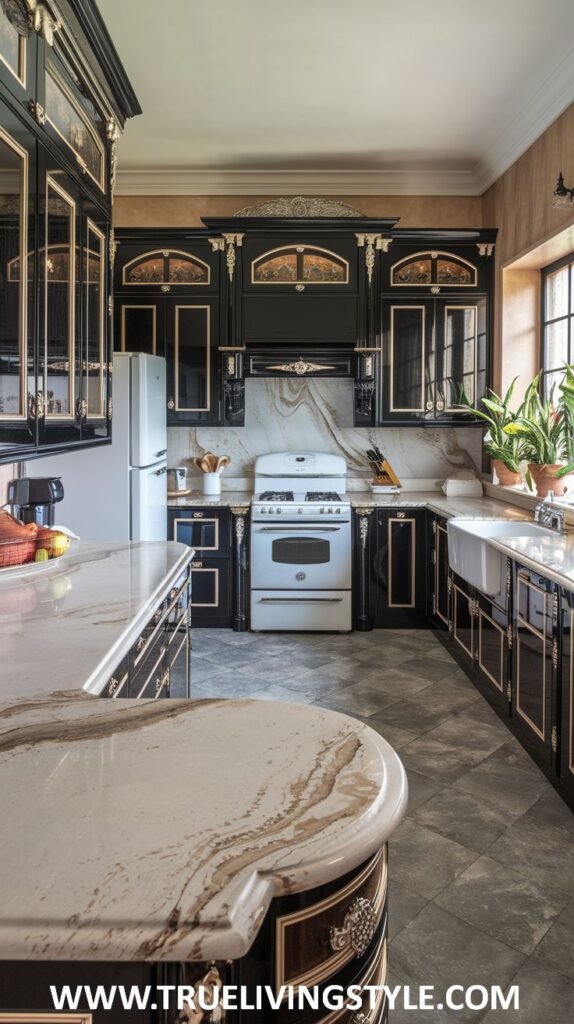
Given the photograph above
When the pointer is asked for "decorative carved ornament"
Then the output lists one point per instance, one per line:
(232, 241)
(359, 926)
(300, 206)
(300, 367)
(31, 15)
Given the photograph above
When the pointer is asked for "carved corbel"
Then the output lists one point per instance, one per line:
(232, 242)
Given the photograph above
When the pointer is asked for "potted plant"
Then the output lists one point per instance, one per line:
(505, 450)
(546, 431)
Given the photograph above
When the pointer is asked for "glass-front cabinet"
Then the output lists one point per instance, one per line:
(435, 331)
(435, 356)
(17, 272)
(61, 110)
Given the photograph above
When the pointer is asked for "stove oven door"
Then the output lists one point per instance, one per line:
(301, 556)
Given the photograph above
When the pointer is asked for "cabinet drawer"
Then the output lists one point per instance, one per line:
(210, 593)
(148, 665)
(491, 647)
(313, 944)
(533, 602)
(206, 530)
(157, 684)
(375, 974)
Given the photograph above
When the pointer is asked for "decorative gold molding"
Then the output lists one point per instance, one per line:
(485, 248)
(232, 240)
(113, 133)
(299, 206)
(300, 367)
(217, 244)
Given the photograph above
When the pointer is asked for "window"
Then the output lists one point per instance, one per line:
(557, 320)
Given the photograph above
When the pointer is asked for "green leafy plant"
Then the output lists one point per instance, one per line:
(497, 413)
(545, 429)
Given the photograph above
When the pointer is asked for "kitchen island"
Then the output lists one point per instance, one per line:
(145, 840)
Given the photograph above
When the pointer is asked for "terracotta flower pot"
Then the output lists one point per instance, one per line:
(545, 479)
(506, 477)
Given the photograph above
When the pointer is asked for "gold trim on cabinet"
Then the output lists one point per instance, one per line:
(298, 280)
(91, 227)
(541, 636)
(483, 615)
(413, 408)
(101, 183)
(457, 590)
(328, 967)
(19, 75)
(56, 187)
(412, 521)
(153, 307)
(199, 408)
(375, 975)
(215, 603)
(434, 256)
(440, 529)
(187, 521)
(166, 254)
(23, 284)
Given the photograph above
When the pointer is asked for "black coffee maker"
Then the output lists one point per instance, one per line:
(33, 498)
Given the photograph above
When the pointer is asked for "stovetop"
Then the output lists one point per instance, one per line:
(289, 496)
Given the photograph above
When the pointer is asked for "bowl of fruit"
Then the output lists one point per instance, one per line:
(28, 547)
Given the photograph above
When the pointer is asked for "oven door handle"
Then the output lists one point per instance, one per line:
(297, 528)
(300, 600)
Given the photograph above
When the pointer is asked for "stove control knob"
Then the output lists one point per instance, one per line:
(330, 510)
(271, 510)
(300, 511)
(263, 511)
(322, 511)
(338, 511)
(279, 511)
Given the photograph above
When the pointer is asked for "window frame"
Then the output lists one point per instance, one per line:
(545, 321)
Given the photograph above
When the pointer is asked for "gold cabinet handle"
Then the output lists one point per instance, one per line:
(170, 404)
(429, 406)
(440, 405)
(358, 927)
(141, 643)
(113, 685)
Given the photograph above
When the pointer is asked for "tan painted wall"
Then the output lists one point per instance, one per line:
(187, 211)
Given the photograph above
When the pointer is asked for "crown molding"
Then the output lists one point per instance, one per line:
(507, 145)
(176, 182)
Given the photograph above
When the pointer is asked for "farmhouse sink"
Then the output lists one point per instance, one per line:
(474, 559)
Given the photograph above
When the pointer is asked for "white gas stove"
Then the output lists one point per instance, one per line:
(300, 543)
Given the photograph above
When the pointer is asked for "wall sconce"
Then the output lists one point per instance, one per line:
(562, 196)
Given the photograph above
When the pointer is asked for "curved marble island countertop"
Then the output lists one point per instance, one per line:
(64, 630)
(162, 831)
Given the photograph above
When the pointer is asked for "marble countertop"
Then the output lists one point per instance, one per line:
(64, 630)
(140, 830)
(197, 499)
(552, 556)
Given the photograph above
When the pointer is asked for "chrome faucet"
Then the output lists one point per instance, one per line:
(548, 515)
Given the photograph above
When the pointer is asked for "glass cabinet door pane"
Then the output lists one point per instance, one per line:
(192, 358)
(459, 355)
(94, 320)
(138, 328)
(58, 276)
(12, 48)
(13, 268)
(407, 358)
(72, 125)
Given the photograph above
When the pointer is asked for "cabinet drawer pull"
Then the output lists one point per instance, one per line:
(358, 927)
(158, 615)
(429, 406)
(113, 685)
(172, 593)
(198, 515)
(171, 404)
(141, 643)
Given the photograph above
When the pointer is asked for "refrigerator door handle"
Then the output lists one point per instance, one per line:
(160, 472)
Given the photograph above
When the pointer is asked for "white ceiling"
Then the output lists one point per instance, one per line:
(337, 95)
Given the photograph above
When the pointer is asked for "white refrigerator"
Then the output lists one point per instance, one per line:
(119, 491)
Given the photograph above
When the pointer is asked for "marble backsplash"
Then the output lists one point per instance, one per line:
(317, 415)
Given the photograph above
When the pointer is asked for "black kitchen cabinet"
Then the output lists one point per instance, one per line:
(463, 617)
(208, 531)
(565, 735)
(64, 99)
(535, 663)
(493, 638)
(441, 582)
(398, 578)
(167, 303)
(434, 352)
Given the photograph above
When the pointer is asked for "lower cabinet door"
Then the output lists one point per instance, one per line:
(441, 574)
(210, 593)
(399, 577)
(463, 617)
(566, 737)
(492, 653)
(532, 705)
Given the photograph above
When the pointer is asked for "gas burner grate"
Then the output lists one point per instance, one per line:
(276, 496)
(322, 496)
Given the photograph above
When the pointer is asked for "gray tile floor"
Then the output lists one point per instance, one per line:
(482, 869)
